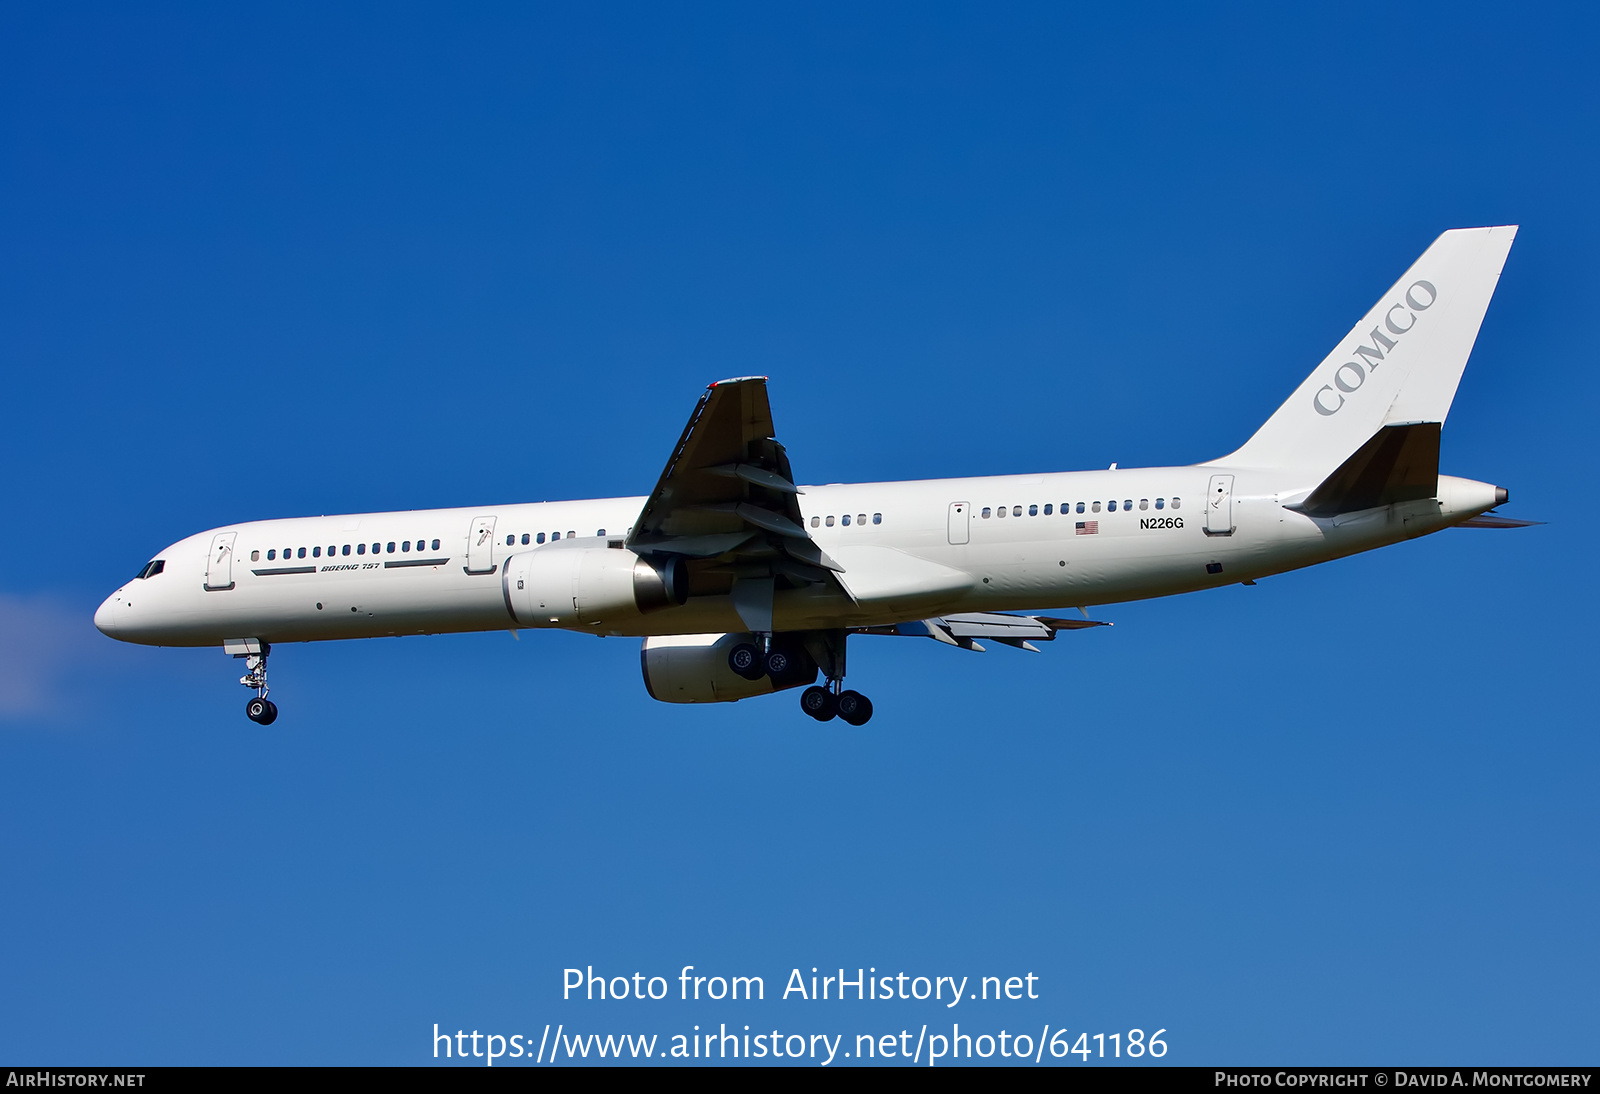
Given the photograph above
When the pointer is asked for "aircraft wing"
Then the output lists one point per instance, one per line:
(726, 503)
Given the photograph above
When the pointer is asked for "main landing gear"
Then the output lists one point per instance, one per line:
(823, 703)
(786, 658)
(260, 709)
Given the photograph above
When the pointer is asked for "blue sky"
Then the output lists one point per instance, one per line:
(290, 261)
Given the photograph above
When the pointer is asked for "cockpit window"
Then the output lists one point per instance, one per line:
(151, 569)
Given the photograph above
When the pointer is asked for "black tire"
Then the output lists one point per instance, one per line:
(855, 708)
(818, 702)
(260, 711)
(779, 662)
(272, 713)
(745, 660)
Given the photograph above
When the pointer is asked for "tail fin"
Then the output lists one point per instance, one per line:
(1400, 364)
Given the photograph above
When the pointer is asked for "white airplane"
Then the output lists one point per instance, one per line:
(741, 583)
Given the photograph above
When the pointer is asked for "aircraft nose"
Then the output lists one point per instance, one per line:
(103, 620)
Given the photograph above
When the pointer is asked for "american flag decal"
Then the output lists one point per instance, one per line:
(1088, 528)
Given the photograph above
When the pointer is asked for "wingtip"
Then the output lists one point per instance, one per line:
(736, 380)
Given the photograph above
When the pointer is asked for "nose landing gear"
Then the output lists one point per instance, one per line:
(260, 709)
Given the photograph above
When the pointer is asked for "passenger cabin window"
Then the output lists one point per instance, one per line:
(391, 546)
(1080, 507)
(1033, 510)
(302, 552)
(540, 537)
(845, 520)
(1144, 503)
(985, 512)
(361, 548)
(1000, 511)
(1094, 508)
(346, 550)
(255, 556)
(511, 539)
(377, 548)
(1127, 505)
(405, 547)
(435, 546)
(861, 518)
(1161, 503)
(816, 522)
(597, 531)
(316, 552)
(1177, 503)
(1047, 510)
(830, 522)
(1111, 506)
(272, 554)
(877, 518)
(554, 536)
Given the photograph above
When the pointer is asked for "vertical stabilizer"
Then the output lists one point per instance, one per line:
(1400, 364)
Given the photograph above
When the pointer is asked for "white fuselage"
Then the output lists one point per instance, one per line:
(383, 574)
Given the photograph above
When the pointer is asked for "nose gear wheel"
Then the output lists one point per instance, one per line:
(261, 711)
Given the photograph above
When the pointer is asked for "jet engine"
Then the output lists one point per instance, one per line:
(693, 668)
(590, 583)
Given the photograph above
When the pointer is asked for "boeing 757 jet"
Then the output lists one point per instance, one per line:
(741, 582)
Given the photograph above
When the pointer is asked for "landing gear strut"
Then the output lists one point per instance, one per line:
(260, 709)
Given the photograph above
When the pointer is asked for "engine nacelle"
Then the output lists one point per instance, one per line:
(693, 668)
(589, 583)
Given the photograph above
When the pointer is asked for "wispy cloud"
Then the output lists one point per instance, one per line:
(42, 638)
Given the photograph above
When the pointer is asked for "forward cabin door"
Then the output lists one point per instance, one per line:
(960, 522)
(1219, 506)
(219, 564)
(480, 546)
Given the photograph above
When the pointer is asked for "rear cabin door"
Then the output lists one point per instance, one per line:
(960, 522)
(219, 564)
(480, 546)
(1219, 506)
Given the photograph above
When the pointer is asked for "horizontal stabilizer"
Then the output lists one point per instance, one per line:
(1399, 463)
(1490, 520)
